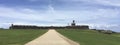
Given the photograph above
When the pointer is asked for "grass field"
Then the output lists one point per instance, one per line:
(18, 37)
(90, 37)
(117, 35)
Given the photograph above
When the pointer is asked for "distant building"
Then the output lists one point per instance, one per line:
(73, 23)
(73, 26)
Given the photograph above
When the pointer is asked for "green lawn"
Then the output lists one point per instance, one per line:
(117, 35)
(90, 37)
(19, 37)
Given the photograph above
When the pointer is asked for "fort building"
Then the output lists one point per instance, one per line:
(72, 26)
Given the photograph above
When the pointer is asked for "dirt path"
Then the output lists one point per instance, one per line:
(52, 38)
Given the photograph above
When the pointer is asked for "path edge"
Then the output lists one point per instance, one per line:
(67, 39)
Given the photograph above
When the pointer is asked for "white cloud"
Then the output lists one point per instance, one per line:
(25, 14)
(51, 15)
(26, 10)
(103, 2)
(51, 9)
(113, 27)
(109, 2)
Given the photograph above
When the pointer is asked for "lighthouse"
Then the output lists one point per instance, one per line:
(73, 23)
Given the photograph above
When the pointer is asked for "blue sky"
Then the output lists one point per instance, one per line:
(101, 14)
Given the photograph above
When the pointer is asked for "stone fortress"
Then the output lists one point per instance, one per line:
(72, 26)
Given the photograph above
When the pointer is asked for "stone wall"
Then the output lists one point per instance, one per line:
(47, 27)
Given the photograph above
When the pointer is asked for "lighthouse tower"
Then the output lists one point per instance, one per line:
(73, 23)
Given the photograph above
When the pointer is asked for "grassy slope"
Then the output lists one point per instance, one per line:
(90, 37)
(18, 37)
(117, 35)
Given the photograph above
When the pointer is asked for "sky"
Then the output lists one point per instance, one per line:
(100, 14)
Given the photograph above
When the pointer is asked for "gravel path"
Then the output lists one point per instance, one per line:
(52, 37)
